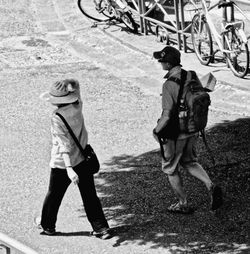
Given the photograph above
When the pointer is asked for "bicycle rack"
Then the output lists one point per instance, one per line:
(167, 15)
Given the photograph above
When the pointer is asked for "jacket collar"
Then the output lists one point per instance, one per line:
(173, 72)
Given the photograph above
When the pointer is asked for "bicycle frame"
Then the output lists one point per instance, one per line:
(121, 5)
(225, 24)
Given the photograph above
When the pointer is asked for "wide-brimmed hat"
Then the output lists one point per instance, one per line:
(168, 54)
(61, 92)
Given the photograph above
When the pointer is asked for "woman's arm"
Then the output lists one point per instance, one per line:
(59, 133)
(71, 173)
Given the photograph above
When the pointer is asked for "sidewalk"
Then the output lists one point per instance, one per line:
(232, 94)
(50, 40)
(148, 43)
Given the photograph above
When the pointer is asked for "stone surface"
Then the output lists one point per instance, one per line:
(43, 41)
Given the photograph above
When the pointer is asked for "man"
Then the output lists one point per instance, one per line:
(180, 152)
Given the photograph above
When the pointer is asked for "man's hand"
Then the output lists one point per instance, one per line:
(72, 175)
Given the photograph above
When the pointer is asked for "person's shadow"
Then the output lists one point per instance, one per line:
(135, 194)
(78, 233)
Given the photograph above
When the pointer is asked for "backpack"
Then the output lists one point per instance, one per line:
(193, 105)
(190, 113)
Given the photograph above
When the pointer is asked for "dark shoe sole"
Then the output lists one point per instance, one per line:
(217, 199)
(48, 232)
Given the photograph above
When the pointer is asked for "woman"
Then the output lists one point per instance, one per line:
(67, 163)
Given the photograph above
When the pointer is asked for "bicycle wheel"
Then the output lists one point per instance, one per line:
(89, 9)
(129, 22)
(202, 39)
(238, 57)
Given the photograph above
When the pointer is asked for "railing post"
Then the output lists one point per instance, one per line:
(176, 3)
(7, 249)
(145, 22)
(142, 20)
(184, 41)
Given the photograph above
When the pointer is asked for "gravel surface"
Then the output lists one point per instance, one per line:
(120, 116)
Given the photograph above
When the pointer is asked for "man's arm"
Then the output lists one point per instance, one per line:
(162, 122)
(167, 105)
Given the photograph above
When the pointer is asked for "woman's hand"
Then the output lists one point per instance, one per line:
(72, 175)
(72, 84)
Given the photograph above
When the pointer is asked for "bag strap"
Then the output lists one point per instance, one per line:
(71, 132)
(203, 135)
(181, 83)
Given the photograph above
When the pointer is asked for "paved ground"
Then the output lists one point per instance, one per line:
(42, 41)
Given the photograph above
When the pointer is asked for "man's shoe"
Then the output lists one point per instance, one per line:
(103, 234)
(216, 197)
(180, 208)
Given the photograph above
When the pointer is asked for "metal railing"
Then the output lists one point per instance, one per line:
(7, 245)
(173, 14)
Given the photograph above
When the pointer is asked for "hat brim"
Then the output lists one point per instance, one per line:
(157, 55)
(70, 98)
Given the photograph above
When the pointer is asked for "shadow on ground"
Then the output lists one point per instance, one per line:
(135, 194)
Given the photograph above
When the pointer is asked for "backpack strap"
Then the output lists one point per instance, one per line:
(183, 80)
(193, 77)
(176, 80)
(181, 83)
(203, 135)
(193, 74)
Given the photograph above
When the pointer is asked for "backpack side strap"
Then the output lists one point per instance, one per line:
(193, 74)
(203, 135)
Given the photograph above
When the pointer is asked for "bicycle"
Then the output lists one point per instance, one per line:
(232, 41)
(107, 10)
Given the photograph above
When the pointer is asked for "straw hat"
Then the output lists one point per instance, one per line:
(62, 92)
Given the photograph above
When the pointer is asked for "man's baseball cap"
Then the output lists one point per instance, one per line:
(168, 54)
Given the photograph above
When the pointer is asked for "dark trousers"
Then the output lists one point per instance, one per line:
(59, 182)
